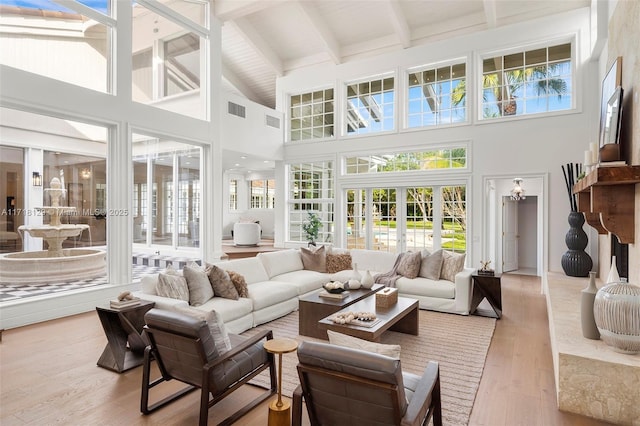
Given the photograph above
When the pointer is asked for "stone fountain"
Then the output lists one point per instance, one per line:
(55, 263)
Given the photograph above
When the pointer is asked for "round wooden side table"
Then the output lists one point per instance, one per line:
(279, 410)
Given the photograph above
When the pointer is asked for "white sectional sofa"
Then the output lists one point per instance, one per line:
(276, 280)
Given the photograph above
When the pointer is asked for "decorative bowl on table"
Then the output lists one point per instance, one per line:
(334, 287)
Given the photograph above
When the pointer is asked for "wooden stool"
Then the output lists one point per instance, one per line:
(279, 410)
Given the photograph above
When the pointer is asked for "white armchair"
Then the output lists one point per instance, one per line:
(246, 234)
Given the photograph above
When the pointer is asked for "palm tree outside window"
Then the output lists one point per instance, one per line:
(529, 82)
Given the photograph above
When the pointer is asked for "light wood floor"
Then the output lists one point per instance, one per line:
(48, 375)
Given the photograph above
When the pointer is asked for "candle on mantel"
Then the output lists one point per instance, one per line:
(587, 158)
(594, 153)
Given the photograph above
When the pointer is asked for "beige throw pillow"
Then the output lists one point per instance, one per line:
(239, 283)
(221, 283)
(451, 265)
(314, 259)
(431, 264)
(340, 339)
(173, 286)
(200, 289)
(338, 262)
(216, 326)
(409, 265)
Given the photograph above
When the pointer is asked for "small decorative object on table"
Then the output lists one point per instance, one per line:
(387, 297)
(125, 299)
(484, 268)
(367, 279)
(363, 319)
(617, 314)
(334, 287)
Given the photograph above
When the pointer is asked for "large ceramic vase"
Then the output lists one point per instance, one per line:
(576, 262)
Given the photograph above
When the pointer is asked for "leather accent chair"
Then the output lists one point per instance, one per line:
(184, 350)
(246, 234)
(344, 386)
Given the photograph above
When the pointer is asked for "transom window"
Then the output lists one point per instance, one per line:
(311, 115)
(370, 106)
(529, 82)
(311, 190)
(437, 96)
(407, 161)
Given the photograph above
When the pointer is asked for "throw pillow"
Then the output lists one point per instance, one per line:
(173, 286)
(431, 265)
(221, 283)
(200, 289)
(239, 283)
(314, 260)
(216, 326)
(409, 265)
(344, 340)
(452, 264)
(338, 262)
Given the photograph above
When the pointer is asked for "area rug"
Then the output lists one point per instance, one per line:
(459, 343)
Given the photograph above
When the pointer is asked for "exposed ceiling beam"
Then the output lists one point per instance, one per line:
(399, 22)
(319, 26)
(490, 13)
(239, 84)
(254, 39)
(226, 10)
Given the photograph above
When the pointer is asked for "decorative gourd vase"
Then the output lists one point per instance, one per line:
(616, 310)
(588, 296)
(367, 280)
(355, 275)
(576, 262)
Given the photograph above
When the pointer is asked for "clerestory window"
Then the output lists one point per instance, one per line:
(370, 106)
(437, 95)
(527, 82)
(311, 115)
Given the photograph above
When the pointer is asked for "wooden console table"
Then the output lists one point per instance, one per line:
(125, 347)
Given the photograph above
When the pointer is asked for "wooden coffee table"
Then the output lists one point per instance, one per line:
(402, 317)
(313, 308)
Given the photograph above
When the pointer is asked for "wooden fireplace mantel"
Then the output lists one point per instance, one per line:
(606, 196)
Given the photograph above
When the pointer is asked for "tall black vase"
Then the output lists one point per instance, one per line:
(576, 262)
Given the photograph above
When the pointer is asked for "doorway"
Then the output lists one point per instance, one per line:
(519, 235)
(514, 232)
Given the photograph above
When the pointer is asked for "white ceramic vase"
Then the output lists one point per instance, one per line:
(367, 280)
(355, 275)
(588, 296)
(616, 310)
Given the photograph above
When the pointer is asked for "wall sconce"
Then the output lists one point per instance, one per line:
(517, 193)
(85, 173)
(36, 179)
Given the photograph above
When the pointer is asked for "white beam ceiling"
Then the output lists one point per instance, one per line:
(321, 30)
(399, 22)
(259, 44)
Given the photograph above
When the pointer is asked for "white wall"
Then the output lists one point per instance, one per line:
(513, 147)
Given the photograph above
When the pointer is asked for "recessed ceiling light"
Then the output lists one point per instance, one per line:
(265, 161)
(243, 157)
(237, 165)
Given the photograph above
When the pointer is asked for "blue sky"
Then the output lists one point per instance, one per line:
(99, 5)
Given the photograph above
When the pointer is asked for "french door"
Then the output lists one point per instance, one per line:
(405, 218)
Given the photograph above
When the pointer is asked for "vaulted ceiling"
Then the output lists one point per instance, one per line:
(264, 39)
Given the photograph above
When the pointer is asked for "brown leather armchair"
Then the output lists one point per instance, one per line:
(344, 386)
(184, 350)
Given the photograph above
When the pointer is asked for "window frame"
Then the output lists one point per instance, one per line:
(575, 82)
(469, 101)
(288, 135)
(345, 107)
